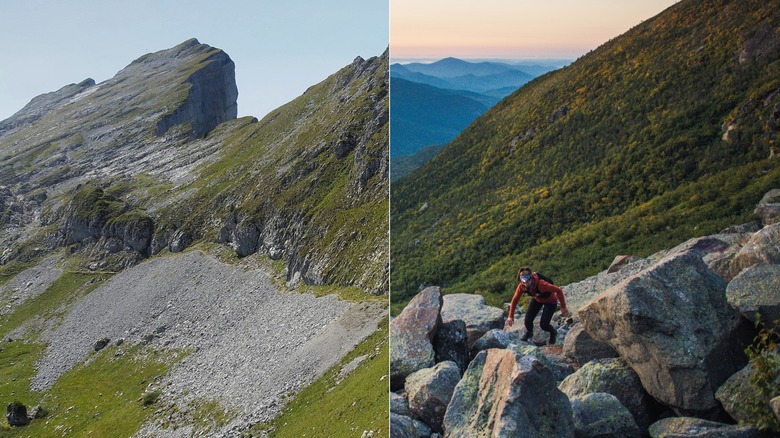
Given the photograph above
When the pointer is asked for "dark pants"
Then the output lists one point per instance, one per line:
(533, 310)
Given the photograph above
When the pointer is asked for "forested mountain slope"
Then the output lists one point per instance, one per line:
(660, 134)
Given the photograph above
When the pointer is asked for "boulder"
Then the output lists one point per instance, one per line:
(762, 249)
(672, 325)
(601, 415)
(495, 338)
(556, 363)
(16, 414)
(768, 209)
(399, 405)
(683, 427)
(744, 402)
(411, 333)
(451, 343)
(101, 344)
(755, 293)
(613, 376)
(471, 309)
(430, 391)
(407, 427)
(580, 347)
(504, 393)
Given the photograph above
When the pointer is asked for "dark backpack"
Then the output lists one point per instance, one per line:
(535, 292)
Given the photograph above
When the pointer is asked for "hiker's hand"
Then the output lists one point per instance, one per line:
(565, 312)
(510, 321)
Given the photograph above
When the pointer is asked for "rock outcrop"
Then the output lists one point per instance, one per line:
(601, 415)
(674, 327)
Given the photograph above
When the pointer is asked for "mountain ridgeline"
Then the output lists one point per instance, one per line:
(155, 160)
(661, 134)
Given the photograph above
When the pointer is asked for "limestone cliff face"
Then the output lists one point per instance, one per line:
(154, 159)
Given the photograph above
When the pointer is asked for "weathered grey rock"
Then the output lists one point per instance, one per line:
(580, 347)
(684, 427)
(602, 415)
(503, 395)
(411, 335)
(762, 249)
(38, 412)
(768, 209)
(399, 405)
(556, 363)
(16, 414)
(407, 427)
(717, 251)
(673, 326)
(451, 343)
(471, 309)
(743, 401)
(101, 344)
(613, 376)
(755, 293)
(619, 262)
(430, 391)
(495, 338)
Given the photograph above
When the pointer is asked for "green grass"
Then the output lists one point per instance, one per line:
(329, 408)
(17, 362)
(104, 396)
(345, 293)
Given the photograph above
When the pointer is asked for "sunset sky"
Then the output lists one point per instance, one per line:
(514, 29)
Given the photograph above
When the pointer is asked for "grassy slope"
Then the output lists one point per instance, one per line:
(621, 152)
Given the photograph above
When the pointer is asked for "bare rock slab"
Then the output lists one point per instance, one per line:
(505, 394)
(673, 326)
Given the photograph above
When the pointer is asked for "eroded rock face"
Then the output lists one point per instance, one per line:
(506, 394)
(411, 335)
(673, 326)
(472, 310)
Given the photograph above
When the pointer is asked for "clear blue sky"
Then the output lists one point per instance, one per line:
(280, 47)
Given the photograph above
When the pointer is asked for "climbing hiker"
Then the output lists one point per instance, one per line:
(545, 297)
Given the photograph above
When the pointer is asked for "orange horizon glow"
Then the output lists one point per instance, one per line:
(512, 29)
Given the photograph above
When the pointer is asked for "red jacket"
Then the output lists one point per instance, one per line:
(542, 286)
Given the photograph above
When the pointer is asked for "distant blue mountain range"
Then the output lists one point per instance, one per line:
(431, 103)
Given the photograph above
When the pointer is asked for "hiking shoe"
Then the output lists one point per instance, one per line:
(552, 338)
(527, 336)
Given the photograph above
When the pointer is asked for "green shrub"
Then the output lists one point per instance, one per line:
(764, 356)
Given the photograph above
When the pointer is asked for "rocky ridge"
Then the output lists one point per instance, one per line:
(154, 159)
(656, 347)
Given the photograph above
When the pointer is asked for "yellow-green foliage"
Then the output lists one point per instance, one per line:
(619, 153)
(764, 356)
